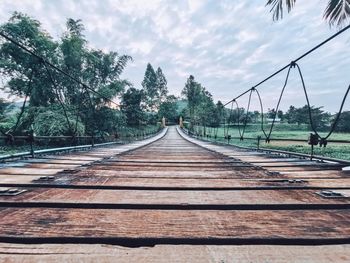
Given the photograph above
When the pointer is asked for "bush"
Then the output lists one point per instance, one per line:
(51, 121)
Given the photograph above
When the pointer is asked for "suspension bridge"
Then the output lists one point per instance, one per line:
(172, 189)
(179, 196)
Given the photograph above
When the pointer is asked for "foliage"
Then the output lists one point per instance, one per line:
(50, 121)
(168, 109)
(337, 12)
(320, 119)
(205, 110)
(154, 88)
(108, 121)
(344, 122)
(49, 89)
(218, 115)
(19, 66)
(3, 107)
(161, 85)
(201, 107)
(131, 106)
(192, 92)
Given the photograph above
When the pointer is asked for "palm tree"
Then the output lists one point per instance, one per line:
(337, 11)
(75, 27)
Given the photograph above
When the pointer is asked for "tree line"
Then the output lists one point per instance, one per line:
(202, 110)
(56, 105)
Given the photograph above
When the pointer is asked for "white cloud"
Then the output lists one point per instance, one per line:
(227, 45)
(257, 55)
(142, 47)
(135, 7)
(195, 5)
(246, 36)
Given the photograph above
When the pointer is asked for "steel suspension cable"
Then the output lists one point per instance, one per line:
(338, 115)
(278, 103)
(238, 117)
(296, 60)
(246, 116)
(229, 121)
(323, 140)
(262, 115)
(307, 101)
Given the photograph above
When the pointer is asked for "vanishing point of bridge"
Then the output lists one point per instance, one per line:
(172, 197)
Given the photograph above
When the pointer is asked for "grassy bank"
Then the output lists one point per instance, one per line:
(282, 131)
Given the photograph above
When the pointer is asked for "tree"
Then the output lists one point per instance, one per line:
(271, 113)
(168, 109)
(3, 106)
(20, 67)
(344, 122)
(218, 114)
(73, 51)
(150, 88)
(154, 88)
(131, 106)
(200, 104)
(337, 12)
(205, 110)
(161, 85)
(192, 92)
(280, 114)
(235, 115)
(108, 120)
(320, 118)
(50, 121)
(256, 116)
(28, 76)
(103, 72)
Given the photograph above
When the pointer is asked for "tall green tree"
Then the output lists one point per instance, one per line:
(28, 76)
(205, 110)
(73, 51)
(320, 118)
(192, 92)
(154, 88)
(150, 88)
(19, 67)
(131, 106)
(161, 86)
(344, 122)
(218, 114)
(168, 109)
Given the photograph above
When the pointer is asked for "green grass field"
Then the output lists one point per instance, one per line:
(284, 131)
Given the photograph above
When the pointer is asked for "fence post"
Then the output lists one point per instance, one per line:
(31, 141)
(31, 149)
(313, 140)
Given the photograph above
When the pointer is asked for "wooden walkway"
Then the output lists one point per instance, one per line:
(215, 203)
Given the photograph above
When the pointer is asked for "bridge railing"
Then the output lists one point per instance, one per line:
(22, 146)
(301, 147)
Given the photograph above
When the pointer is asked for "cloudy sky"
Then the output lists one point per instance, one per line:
(227, 45)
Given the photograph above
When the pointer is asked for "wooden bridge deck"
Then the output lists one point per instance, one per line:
(216, 203)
